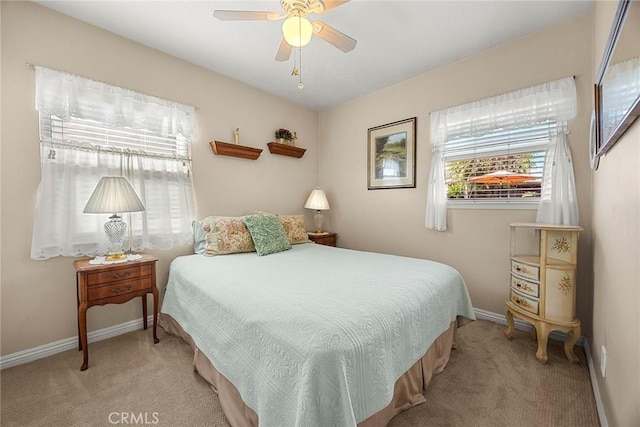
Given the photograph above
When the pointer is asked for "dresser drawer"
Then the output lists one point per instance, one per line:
(119, 288)
(117, 274)
(524, 286)
(525, 270)
(531, 305)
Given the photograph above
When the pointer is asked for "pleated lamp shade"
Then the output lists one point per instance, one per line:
(113, 194)
(317, 200)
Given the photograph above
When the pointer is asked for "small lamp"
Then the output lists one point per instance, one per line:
(318, 200)
(114, 194)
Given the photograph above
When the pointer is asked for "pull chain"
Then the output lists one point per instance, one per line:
(300, 85)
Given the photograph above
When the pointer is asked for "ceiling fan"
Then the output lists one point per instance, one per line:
(296, 29)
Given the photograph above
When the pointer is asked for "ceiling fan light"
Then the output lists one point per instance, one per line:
(297, 31)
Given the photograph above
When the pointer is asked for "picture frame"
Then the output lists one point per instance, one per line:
(617, 92)
(391, 155)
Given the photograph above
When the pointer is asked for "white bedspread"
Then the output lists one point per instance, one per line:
(314, 336)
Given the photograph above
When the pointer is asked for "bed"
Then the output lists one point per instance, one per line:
(315, 335)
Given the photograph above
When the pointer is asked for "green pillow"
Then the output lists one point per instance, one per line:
(267, 233)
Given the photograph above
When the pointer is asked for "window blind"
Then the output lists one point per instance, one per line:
(91, 135)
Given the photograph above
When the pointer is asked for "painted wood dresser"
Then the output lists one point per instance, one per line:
(543, 283)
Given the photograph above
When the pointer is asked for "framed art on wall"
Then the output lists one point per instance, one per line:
(391, 155)
(617, 88)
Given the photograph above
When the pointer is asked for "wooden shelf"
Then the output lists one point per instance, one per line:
(234, 150)
(285, 150)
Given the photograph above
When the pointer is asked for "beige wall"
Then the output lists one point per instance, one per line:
(616, 254)
(477, 241)
(38, 297)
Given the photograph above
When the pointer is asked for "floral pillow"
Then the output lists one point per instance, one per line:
(200, 230)
(267, 233)
(227, 235)
(294, 228)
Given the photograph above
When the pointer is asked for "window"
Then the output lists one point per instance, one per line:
(505, 150)
(503, 166)
(90, 129)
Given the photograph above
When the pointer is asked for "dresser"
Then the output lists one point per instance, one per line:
(100, 284)
(543, 283)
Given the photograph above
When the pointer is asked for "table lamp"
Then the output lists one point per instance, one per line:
(317, 200)
(114, 194)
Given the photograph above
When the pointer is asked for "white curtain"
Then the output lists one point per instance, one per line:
(436, 216)
(559, 199)
(551, 101)
(69, 178)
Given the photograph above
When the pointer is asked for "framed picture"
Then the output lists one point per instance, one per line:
(391, 155)
(617, 89)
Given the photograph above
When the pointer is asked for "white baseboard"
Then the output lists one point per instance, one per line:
(520, 324)
(71, 343)
(594, 384)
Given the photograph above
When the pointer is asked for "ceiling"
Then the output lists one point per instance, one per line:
(396, 39)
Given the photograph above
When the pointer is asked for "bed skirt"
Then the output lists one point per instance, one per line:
(406, 394)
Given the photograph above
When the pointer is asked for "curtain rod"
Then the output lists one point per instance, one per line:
(33, 67)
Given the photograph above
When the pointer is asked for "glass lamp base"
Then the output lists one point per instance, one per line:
(115, 230)
(117, 256)
(317, 219)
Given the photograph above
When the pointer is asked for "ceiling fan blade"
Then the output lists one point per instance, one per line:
(321, 6)
(245, 15)
(333, 36)
(284, 51)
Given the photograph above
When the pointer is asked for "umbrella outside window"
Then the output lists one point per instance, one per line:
(503, 177)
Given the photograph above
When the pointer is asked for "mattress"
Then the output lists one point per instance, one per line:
(315, 335)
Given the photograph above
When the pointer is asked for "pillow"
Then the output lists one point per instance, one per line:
(200, 230)
(199, 237)
(294, 228)
(267, 233)
(228, 235)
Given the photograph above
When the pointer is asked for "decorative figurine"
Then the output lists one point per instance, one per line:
(236, 136)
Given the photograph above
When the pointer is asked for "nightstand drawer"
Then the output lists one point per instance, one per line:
(527, 271)
(532, 305)
(525, 286)
(116, 274)
(120, 288)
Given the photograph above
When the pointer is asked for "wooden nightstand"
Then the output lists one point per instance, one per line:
(100, 284)
(327, 239)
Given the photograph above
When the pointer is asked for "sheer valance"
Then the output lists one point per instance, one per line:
(66, 95)
(552, 101)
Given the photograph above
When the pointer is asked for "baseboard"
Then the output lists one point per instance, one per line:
(594, 385)
(520, 325)
(50, 349)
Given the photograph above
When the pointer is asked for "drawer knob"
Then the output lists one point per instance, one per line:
(518, 269)
(117, 290)
(121, 276)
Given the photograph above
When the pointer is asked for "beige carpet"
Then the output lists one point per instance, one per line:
(489, 381)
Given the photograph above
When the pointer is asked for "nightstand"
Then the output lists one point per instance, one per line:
(327, 239)
(100, 284)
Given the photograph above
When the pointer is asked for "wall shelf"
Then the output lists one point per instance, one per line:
(285, 150)
(235, 150)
